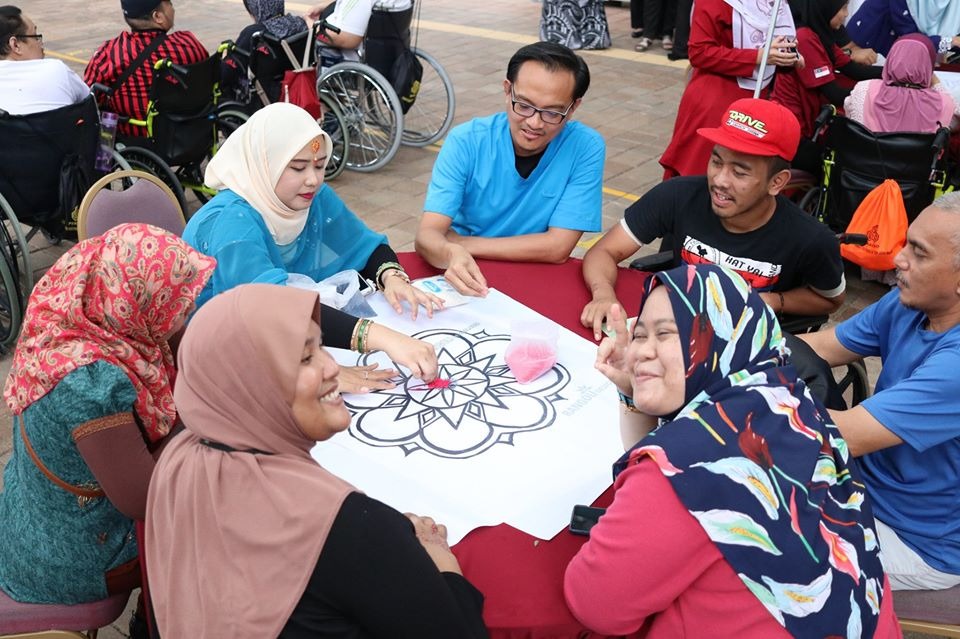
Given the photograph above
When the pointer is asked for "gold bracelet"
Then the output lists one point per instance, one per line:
(354, 346)
(362, 335)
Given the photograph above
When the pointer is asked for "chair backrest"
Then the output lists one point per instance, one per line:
(864, 159)
(935, 612)
(53, 621)
(388, 35)
(145, 199)
(43, 151)
(182, 113)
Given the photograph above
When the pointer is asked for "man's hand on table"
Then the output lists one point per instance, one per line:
(433, 537)
(596, 312)
(364, 379)
(462, 271)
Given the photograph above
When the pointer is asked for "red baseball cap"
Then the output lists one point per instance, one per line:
(757, 127)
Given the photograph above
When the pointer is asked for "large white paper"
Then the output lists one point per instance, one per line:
(487, 450)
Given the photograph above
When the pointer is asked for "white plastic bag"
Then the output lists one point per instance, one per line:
(341, 291)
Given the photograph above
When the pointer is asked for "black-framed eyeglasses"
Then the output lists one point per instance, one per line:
(527, 110)
(38, 36)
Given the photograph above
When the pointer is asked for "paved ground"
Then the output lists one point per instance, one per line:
(632, 102)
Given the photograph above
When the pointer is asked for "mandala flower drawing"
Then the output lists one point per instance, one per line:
(474, 404)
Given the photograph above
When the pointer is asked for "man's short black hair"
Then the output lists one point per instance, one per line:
(554, 57)
(11, 24)
(776, 164)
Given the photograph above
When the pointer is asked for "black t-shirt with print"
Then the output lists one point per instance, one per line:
(791, 250)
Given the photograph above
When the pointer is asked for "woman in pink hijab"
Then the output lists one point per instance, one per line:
(266, 542)
(908, 98)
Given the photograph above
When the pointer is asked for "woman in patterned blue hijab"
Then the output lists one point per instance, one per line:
(755, 461)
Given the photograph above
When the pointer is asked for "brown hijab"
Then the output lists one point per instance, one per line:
(233, 537)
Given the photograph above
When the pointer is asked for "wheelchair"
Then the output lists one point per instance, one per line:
(261, 73)
(856, 160)
(185, 125)
(377, 120)
(41, 186)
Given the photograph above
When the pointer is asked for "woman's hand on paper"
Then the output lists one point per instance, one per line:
(433, 537)
(612, 352)
(397, 290)
(363, 379)
(417, 355)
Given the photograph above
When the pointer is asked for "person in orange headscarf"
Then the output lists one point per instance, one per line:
(91, 391)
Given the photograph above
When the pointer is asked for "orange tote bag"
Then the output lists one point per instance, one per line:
(883, 219)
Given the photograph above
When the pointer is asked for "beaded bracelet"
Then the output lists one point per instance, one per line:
(627, 402)
(389, 266)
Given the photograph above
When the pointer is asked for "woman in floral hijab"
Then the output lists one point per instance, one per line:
(91, 391)
(739, 510)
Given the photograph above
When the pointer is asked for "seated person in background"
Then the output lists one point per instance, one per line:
(29, 82)
(907, 434)
(878, 23)
(91, 391)
(841, 38)
(805, 91)
(273, 215)
(269, 16)
(521, 185)
(734, 217)
(729, 512)
(148, 20)
(352, 18)
(293, 550)
(908, 97)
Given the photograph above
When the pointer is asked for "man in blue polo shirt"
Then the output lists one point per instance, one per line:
(522, 185)
(907, 434)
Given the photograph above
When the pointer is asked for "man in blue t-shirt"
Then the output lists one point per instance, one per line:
(522, 185)
(907, 434)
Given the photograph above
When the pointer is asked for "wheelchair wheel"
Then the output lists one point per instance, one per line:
(431, 115)
(191, 176)
(16, 246)
(855, 383)
(335, 125)
(146, 160)
(11, 303)
(810, 202)
(372, 112)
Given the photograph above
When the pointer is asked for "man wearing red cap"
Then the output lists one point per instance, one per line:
(733, 217)
(149, 20)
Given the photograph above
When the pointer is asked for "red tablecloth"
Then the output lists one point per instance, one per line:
(520, 576)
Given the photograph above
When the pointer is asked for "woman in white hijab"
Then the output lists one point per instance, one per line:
(274, 216)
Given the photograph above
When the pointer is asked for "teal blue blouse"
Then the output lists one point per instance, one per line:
(54, 546)
(232, 231)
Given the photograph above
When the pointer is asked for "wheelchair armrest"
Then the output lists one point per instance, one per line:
(941, 138)
(795, 324)
(653, 263)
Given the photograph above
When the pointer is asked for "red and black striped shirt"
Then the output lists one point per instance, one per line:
(113, 56)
